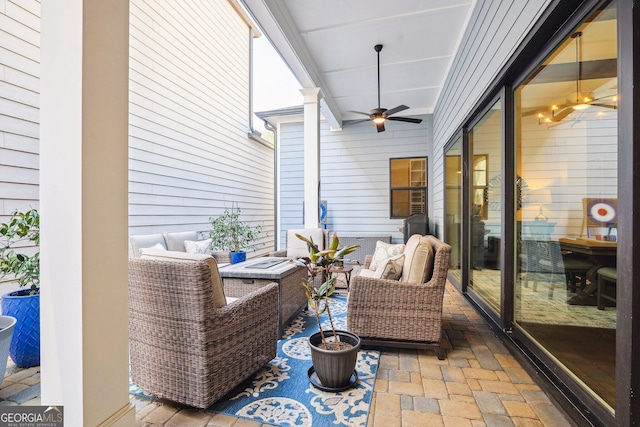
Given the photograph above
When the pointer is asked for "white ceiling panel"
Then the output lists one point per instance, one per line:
(330, 44)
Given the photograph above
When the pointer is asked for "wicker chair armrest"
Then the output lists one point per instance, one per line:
(367, 260)
(281, 253)
(256, 311)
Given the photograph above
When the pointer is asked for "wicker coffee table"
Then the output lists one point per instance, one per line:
(245, 277)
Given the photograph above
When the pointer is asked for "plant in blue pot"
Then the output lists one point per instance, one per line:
(229, 233)
(20, 260)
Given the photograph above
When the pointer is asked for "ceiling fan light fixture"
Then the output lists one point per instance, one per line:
(378, 119)
(581, 107)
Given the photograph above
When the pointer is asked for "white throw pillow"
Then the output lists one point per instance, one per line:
(384, 251)
(156, 246)
(198, 246)
(390, 268)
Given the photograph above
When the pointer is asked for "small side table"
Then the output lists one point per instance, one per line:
(346, 270)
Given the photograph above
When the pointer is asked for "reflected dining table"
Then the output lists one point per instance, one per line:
(598, 249)
(601, 252)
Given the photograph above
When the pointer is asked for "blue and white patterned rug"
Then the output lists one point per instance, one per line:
(280, 393)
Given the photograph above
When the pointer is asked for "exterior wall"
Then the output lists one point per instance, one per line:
(495, 30)
(190, 157)
(354, 175)
(19, 110)
(19, 105)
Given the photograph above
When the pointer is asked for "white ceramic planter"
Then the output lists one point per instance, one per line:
(7, 324)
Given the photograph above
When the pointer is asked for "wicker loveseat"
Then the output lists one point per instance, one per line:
(187, 344)
(405, 312)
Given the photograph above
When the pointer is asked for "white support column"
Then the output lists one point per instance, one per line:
(311, 156)
(84, 204)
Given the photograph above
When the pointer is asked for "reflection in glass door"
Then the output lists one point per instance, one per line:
(566, 228)
(453, 205)
(485, 206)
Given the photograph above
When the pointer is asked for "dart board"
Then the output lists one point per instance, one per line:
(601, 211)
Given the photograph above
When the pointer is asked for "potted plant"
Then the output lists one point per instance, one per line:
(229, 233)
(333, 352)
(23, 304)
(7, 325)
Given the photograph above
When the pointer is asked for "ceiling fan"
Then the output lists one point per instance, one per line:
(582, 102)
(380, 115)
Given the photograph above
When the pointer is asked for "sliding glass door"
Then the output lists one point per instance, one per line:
(485, 206)
(453, 206)
(566, 223)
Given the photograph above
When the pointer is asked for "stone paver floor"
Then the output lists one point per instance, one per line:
(479, 384)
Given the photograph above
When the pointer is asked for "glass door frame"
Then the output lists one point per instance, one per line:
(460, 285)
(505, 98)
(628, 322)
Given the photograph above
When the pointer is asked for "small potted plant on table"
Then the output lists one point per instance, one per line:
(228, 233)
(23, 304)
(333, 352)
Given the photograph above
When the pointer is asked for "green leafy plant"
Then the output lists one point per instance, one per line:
(319, 262)
(229, 233)
(22, 227)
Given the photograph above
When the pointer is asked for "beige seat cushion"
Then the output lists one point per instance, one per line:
(216, 283)
(138, 242)
(365, 272)
(175, 241)
(418, 261)
(298, 248)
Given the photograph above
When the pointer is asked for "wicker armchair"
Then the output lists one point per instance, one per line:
(183, 346)
(401, 314)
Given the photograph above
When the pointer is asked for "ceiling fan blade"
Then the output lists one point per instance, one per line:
(613, 107)
(395, 110)
(353, 122)
(405, 119)
(562, 113)
(359, 112)
(380, 127)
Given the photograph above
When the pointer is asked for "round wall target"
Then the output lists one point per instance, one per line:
(602, 211)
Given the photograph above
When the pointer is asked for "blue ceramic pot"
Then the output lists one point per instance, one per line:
(25, 344)
(237, 257)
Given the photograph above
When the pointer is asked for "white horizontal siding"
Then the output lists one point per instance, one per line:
(190, 157)
(291, 177)
(354, 175)
(19, 105)
(495, 30)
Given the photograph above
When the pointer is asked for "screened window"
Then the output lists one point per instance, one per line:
(408, 179)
